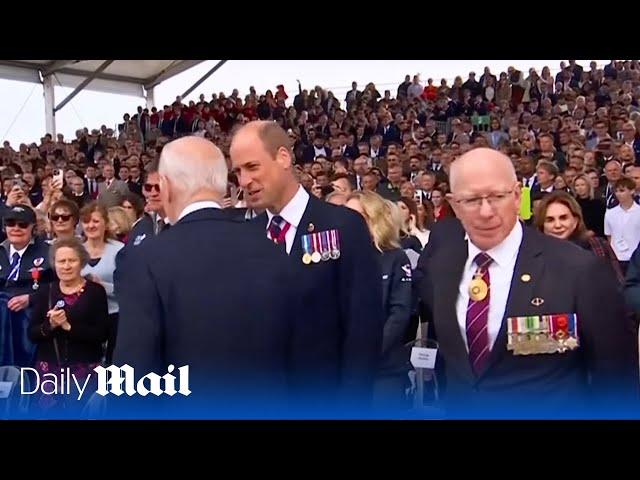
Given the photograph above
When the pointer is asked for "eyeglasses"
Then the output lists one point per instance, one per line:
(16, 223)
(148, 187)
(474, 203)
(64, 218)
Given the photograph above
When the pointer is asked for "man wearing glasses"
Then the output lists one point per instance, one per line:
(528, 326)
(24, 268)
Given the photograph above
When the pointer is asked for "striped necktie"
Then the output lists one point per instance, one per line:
(478, 319)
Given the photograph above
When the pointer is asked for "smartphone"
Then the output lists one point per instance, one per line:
(58, 176)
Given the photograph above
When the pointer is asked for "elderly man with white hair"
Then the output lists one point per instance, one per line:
(206, 294)
(528, 325)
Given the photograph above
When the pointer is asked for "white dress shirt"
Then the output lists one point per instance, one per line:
(500, 275)
(195, 207)
(12, 250)
(292, 213)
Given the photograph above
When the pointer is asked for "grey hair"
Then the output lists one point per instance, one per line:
(194, 176)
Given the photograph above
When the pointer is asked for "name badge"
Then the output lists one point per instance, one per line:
(423, 357)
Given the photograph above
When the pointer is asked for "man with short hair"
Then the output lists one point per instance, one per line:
(546, 174)
(111, 191)
(481, 285)
(78, 195)
(607, 192)
(622, 222)
(237, 351)
(361, 166)
(337, 342)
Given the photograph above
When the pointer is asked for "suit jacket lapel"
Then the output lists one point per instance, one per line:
(446, 294)
(303, 227)
(529, 262)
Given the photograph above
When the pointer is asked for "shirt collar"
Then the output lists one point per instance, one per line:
(13, 250)
(194, 207)
(504, 253)
(293, 211)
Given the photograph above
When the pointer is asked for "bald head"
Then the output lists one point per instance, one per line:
(191, 169)
(485, 196)
(480, 162)
(272, 135)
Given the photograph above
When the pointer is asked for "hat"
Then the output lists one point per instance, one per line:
(21, 213)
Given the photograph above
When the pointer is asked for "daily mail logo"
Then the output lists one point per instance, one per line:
(111, 380)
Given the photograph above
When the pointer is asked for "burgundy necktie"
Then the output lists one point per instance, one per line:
(478, 319)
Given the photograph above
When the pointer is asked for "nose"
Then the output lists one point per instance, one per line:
(486, 210)
(243, 180)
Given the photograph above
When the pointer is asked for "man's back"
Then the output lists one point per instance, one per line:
(207, 293)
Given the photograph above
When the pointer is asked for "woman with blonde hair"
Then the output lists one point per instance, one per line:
(102, 250)
(119, 223)
(396, 293)
(593, 209)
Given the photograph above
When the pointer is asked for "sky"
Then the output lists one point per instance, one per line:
(22, 117)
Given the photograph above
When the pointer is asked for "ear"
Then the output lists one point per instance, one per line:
(283, 157)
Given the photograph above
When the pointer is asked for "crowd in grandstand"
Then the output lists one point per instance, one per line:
(573, 139)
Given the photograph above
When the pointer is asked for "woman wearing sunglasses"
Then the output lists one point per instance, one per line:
(24, 269)
(64, 216)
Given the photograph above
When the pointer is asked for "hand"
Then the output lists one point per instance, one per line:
(19, 302)
(57, 317)
(226, 202)
(15, 196)
(56, 184)
(316, 190)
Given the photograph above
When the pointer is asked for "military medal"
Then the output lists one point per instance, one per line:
(316, 256)
(306, 247)
(35, 276)
(38, 261)
(478, 289)
(324, 244)
(335, 244)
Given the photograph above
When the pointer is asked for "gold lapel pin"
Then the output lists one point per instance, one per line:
(537, 301)
(525, 277)
(311, 227)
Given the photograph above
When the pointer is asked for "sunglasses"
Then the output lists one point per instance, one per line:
(16, 223)
(64, 218)
(148, 187)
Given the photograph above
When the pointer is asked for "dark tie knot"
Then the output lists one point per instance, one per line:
(483, 260)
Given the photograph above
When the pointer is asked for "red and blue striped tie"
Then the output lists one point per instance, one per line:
(478, 319)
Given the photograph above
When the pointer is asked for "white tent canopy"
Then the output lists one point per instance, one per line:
(126, 77)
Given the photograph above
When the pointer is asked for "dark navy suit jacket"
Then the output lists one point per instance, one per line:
(338, 337)
(208, 293)
(600, 377)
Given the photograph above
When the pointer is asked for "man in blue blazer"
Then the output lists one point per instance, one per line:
(337, 342)
(206, 293)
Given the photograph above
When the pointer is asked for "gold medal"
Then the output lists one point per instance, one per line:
(306, 259)
(478, 289)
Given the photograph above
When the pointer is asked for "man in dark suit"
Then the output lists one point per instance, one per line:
(78, 193)
(91, 183)
(135, 183)
(182, 305)
(337, 340)
(315, 150)
(579, 353)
